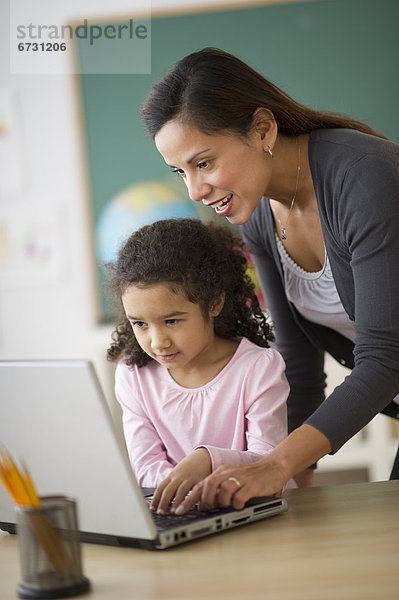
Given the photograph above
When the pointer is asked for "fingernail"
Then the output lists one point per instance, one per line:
(160, 511)
(179, 510)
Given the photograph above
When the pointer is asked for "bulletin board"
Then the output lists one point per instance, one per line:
(336, 55)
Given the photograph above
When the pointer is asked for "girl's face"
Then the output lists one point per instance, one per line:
(221, 170)
(168, 327)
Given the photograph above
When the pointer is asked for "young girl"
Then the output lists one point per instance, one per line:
(198, 384)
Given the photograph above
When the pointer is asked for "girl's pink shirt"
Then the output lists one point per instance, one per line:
(239, 416)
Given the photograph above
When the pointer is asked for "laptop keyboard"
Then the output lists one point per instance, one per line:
(169, 520)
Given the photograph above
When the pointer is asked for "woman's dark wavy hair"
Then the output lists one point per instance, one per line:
(203, 260)
(216, 91)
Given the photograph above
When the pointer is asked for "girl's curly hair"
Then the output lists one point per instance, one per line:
(204, 260)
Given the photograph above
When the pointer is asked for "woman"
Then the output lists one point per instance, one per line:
(317, 196)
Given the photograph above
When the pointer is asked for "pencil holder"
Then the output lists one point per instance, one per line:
(49, 550)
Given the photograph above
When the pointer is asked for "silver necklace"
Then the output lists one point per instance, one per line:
(284, 227)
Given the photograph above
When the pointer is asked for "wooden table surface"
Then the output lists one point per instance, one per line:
(334, 543)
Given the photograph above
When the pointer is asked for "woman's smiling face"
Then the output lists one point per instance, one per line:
(221, 170)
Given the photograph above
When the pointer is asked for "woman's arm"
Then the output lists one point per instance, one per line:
(367, 277)
(299, 450)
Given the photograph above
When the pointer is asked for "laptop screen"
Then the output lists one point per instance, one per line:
(55, 418)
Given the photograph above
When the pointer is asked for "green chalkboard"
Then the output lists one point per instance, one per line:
(338, 55)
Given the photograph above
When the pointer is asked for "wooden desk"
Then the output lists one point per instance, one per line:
(338, 542)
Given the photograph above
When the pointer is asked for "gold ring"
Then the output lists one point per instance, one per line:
(235, 481)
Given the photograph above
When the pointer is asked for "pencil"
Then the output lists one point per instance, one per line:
(22, 490)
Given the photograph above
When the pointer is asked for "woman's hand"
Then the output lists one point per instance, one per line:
(192, 469)
(235, 485)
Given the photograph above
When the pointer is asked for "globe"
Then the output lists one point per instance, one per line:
(140, 204)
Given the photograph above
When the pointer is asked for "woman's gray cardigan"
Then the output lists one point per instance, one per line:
(356, 179)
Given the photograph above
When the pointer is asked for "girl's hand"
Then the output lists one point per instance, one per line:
(192, 469)
(234, 486)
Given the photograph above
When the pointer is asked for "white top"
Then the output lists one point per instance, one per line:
(314, 294)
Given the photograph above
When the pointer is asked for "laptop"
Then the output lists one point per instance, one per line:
(55, 417)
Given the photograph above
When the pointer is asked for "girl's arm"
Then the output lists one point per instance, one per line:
(265, 389)
(147, 454)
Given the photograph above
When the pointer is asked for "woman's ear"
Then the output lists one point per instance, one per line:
(217, 305)
(264, 127)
